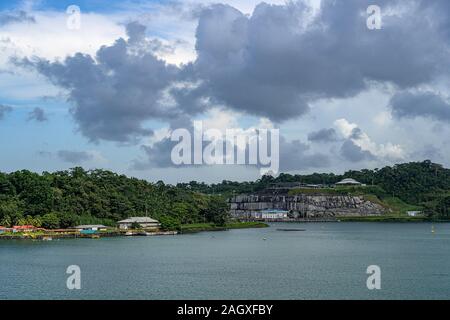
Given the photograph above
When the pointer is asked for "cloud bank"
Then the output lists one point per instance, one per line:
(276, 63)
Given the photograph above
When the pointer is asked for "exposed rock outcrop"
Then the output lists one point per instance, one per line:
(305, 205)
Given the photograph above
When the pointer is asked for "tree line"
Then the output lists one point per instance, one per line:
(66, 198)
(425, 183)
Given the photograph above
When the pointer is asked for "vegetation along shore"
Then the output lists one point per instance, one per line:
(51, 202)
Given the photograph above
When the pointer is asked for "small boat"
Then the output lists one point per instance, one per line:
(291, 229)
(47, 238)
(129, 233)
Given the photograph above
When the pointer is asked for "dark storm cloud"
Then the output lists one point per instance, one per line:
(157, 155)
(115, 93)
(15, 17)
(357, 133)
(4, 110)
(352, 152)
(323, 135)
(74, 157)
(296, 155)
(37, 114)
(439, 10)
(267, 65)
(420, 104)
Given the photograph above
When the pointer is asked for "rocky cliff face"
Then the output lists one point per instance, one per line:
(305, 205)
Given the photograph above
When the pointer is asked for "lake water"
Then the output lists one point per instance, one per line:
(327, 261)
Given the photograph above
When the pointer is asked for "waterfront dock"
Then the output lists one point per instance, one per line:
(77, 235)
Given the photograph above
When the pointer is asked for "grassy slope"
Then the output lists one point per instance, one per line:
(398, 208)
(398, 212)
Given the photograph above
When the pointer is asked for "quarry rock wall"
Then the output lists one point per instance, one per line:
(305, 205)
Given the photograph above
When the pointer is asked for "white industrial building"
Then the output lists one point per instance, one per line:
(144, 222)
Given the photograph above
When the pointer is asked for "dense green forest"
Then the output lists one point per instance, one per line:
(66, 198)
(425, 184)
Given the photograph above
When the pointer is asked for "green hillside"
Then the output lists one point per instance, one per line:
(76, 196)
(402, 187)
(66, 198)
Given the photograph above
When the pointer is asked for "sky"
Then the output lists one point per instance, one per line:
(108, 89)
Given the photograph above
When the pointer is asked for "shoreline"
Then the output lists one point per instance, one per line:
(207, 227)
(386, 218)
(185, 229)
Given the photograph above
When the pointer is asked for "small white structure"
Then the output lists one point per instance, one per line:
(414, 213)
(274, 214)
(93, 227)
(349, 182)
(144, 222)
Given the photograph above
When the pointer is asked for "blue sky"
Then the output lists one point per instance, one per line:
(239, 64)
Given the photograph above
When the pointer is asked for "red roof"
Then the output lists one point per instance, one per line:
(24, 227)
